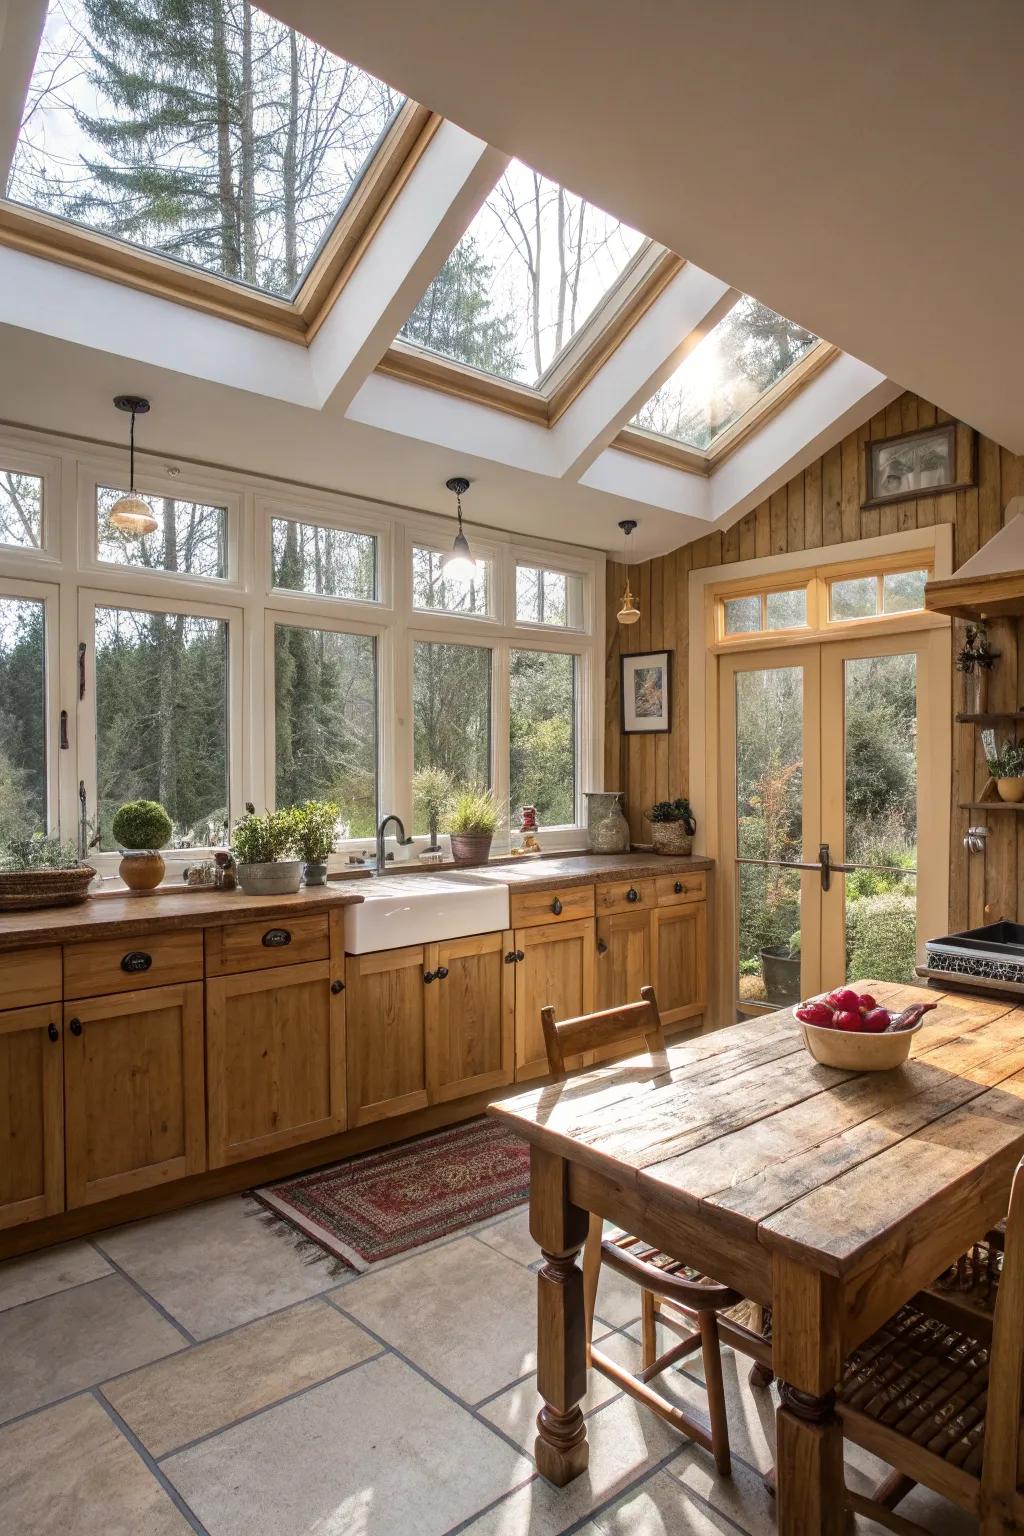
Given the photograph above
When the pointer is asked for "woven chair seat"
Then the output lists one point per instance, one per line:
(926, 1381)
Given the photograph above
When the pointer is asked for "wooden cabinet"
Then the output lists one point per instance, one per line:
(275, 1042)
(567, 905)
(387, 1065)
(679, 959)
(102, 966)
(133, 1091)
(623, 957)
(557, 968)
(266, 945)
(31, 1114)
(470, 1015)
(29, 976)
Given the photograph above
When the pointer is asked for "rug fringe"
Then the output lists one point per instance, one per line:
(310, 1251)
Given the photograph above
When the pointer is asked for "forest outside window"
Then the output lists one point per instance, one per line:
(435, 591)
(323, 560)
(451, 692)
(21, 510)
(549, 597)
(23, 782)
(543, 734)
(190, 539)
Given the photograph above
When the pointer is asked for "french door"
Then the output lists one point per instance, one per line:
(830, 760)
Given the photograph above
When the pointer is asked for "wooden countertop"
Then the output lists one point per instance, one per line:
(548, 874)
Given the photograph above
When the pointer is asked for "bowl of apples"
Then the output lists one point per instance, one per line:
(850, 1029)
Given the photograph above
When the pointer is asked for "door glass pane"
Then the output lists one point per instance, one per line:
(881, 816)
(903, 591)
(22, 717)
(742, 615)
(769, 829)
(162, 720)
(325, 722)
(542, 735)
(855, 599)
(451, 690)
(786, 610)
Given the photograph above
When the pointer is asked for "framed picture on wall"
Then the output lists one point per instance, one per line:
(916, 464)
(646, 691)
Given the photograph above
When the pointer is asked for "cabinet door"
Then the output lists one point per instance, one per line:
(623, 967)
(557, 968)
(470, 1015)
(387, 1073)
(679, 942)
(133, 1091)
(31, 1114)
(275, 1059)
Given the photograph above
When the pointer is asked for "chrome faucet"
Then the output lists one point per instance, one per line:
(401, 839)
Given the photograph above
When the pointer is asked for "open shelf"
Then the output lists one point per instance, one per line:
(993, 717)
(990, 805)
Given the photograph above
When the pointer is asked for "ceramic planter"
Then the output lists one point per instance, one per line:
(781, 972)
(471, 847)
(314, 874)
(281, 878)
(671, 837)
(1010, 789)
(142, 869)
(607, 827)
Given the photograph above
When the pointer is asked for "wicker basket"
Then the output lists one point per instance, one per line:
(23, 889)
(671, 837)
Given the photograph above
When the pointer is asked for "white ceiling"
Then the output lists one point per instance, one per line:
(857, 167)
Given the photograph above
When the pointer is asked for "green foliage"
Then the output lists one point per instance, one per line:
(673, 810)
(22, 718)
(37, 852)
(454, 316)
(314, 829)
(432, 793)
(263, 839)
(881, 935)
(1009, 763)
(141, 824)
(474, 813)
(542, 735)
(452, 711)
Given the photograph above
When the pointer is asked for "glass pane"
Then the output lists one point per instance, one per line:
(332, 562)
(881, 816)
(162, 720)
(769, 763)
(725, 374)
(742, 615)
(855, 599)
(209, 133)
(769, 935)
(325, 722)
(191, 538)
(903, 591)
(530, 269)
(548, 597)
(451, 690)
(434, 589)
(21, 510)
(787, 609)
(542, 736)
(22, 717)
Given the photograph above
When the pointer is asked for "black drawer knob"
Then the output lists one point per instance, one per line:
(337, 986)
(428, 976)
(510, 958)
(441, 973)
(75, 1027)
(556, 907)
(632, 894)
(53, 1032)
(602, 947)
(679, 887)
(520, 955)
(276, 938)
(135, 961)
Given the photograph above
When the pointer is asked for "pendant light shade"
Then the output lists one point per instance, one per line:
(132, 514)
(628, 613)
(459, 563)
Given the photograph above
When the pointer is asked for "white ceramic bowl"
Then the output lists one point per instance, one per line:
(858, 1052)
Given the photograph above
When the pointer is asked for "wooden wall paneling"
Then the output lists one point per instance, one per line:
(778, 520)
(812, 506)
(990, 506)
(665, 780)
(851, 452)
(795, 513)
(832, 496)
(762, 532)
(748, 536)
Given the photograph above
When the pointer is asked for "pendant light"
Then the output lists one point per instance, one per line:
(629, 613)
(459, 564)
(132, 513)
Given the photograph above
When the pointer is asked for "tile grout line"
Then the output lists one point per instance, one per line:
(713, 1509)
(147, 1460)
(64, 1290)
(167, 1316)
(603, 1338)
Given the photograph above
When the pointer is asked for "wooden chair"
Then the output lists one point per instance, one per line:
(942, 1405)
(686, 1302)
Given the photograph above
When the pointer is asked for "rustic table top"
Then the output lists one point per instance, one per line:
(744, 1129)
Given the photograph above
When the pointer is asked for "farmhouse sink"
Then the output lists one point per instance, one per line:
(421, 909)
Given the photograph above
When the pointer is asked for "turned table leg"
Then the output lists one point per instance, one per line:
(560, 1449)
(807, 1354)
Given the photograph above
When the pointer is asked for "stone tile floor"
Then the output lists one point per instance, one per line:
(194, 1373)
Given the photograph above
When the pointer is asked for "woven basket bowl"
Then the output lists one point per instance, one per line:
(671, 837)
(26, 888)
(856, 1052)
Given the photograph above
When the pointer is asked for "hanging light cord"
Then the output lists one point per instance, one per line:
(131, 453)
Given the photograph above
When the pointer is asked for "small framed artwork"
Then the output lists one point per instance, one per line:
(647, 692)
(916, 464)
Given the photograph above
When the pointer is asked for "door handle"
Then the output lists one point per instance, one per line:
(632, 894)
(602, 947)
(337, 986)
(53, 1032)
(75, 1027)
(556, 907)
(824, 864)
(428, 976)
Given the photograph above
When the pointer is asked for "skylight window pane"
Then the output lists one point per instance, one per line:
(484, 307)
(191, 538)
(21, 510)
(331, 562)
(212, 134)
(747, 352)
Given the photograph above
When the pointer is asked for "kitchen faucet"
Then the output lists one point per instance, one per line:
(401, 839)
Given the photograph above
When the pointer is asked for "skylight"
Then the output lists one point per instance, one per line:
(531, 268)
(737, 362)
(207, 132)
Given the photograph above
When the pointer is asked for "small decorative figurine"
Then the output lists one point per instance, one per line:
(227, 880)
(528, 827)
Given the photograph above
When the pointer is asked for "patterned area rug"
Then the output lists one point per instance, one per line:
(385, 1203)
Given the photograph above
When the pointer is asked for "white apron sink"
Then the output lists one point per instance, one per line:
(397, 910)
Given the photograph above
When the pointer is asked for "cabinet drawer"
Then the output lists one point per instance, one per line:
(258, 946)
(625, 895)
(124, 965)
(29, 976)
(528, 908)
(675, 888)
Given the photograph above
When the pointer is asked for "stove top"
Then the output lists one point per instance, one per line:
(994, 951)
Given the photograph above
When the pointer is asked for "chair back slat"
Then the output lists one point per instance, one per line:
(591, 1031)
(1001, 1467)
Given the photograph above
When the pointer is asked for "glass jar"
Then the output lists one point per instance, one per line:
(607, 827)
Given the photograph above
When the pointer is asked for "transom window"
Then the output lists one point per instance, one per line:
(191, 539)
(435, 591)
(765, 610)
(211, 134)
(326, 561)
(21, 510)
(548, 597)
(819, 598)
(531, 268)
(867, 597)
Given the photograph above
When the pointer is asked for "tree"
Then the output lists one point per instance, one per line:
(454, 316)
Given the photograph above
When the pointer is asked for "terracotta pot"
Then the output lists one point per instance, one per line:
(471, 847)
(1011, 789)
(671, 837)
(142, 869)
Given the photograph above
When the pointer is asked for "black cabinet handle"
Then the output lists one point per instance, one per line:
(134, 961)
(75, 1027)
(337, 986)
(632, 894)
(276, 938)
(510, 958)
(679, 887)
(429, 975)
(53, 1032)
(556, 906)
(441, 973)
(520, 955)
(602, 947)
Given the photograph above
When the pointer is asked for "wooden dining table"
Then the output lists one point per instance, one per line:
(830, 1196)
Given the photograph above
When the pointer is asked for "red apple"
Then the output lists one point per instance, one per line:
(876, 1021)
(833, 997)
(816, 1013)
(846, 999)
(848, 1018)
(866, 1002)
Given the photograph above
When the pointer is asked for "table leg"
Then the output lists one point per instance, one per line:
(807, 1355)
(560, 1449)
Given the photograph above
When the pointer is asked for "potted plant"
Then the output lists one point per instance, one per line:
(472, 823)
(672, 826)
(315, 824)
(780, 967)
(140, 829)
(432, 792)
(975, 659)
(262, 845)
(1007, 768)
(41, 871)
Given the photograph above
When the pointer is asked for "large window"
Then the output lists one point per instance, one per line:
(162, 719)
(325, 718)
(434, 590)
(331, 562)
(190, 539)
(542, 735)
(452, 710)
(21, 510)
(22, 717)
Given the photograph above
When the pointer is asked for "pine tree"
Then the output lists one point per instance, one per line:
(454, 316)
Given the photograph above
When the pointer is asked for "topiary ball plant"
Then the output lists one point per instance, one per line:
(141, 824)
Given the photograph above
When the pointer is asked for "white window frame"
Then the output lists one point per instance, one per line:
(49, 596)
(321, 513)
(21, 459)
(440, 545)
(559, 568)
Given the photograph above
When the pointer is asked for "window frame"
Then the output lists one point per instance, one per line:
(49, 595)
(22, 460)
(556, 568)
(315, 512)
(584, 768)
